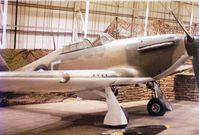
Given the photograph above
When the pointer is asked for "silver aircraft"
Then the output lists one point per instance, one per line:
(97, 70)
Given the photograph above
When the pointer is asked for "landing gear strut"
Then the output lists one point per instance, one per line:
(3, 102)
(114, 90)
(116, 116)
(159, 104)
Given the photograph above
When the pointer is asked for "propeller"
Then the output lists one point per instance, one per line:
(192, 47)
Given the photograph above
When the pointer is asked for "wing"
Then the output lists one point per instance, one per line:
(182, 68)
(55, 81)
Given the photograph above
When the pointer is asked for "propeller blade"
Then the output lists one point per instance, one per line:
(195, 63)
(192, 47)
(189, 37)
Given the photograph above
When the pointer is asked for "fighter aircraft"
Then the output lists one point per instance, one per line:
(97, 70)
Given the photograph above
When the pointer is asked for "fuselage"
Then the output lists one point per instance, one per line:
(134, 57)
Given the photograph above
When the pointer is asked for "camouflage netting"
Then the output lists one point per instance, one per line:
(120, 29)
(159, 27)
(117, 29)
(19, 58)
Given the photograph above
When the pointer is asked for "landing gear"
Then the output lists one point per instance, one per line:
(3, 102)
(114, 90)
(125, 113)
(158, 105)
(41, 68)
(116, 116)
(155, 107)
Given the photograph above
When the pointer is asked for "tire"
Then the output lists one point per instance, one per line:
(156, 108)
(41, 67)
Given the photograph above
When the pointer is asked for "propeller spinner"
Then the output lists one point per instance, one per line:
(192, 47)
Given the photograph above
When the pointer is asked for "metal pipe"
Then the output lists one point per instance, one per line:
(86, 19)
(15, 35)
(73, 26)
(1, 10)
(1, 16)
(146, 19)
(81, 16)
(4, 23)
(191, 19)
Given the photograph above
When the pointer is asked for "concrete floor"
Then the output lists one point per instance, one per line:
(73, 117)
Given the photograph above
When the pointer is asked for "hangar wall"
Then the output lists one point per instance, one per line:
(40, 23)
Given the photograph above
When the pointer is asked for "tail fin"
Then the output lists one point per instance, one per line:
(3, 65)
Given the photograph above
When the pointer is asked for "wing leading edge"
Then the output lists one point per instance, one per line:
(59, 81)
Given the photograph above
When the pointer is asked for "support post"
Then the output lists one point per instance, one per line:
(4, 23)
(16, 15)
(146, 19)
(86, 19)
(81, 16)
(1, 13)
(191, 19)
(132, 19)
(74, 31)
(1, 8)
(1, 22)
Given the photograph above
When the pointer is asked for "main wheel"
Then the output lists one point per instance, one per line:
(41, 67)
(155, 107)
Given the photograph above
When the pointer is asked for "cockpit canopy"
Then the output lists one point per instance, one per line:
(77, 46)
